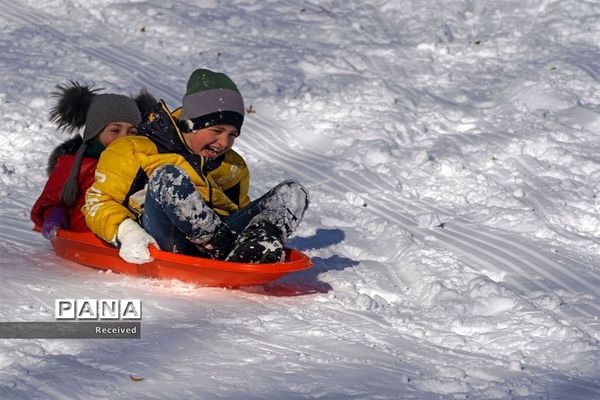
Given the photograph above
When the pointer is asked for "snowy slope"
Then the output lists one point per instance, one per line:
(451, 149)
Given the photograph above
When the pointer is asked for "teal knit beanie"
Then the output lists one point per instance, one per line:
(211, 99)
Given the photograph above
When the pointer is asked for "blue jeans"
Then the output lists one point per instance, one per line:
(178, 218)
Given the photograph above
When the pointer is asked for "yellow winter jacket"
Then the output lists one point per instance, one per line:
(123, 171)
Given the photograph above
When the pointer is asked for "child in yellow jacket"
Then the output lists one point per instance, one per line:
(181, 186)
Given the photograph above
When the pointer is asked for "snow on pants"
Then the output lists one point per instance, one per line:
(177, 217)
(283, 206)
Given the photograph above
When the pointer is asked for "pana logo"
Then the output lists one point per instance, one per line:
(94, 309)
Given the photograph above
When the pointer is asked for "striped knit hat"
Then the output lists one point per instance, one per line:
(211, 99)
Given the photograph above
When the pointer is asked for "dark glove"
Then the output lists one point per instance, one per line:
(56, 219)
(219, 244)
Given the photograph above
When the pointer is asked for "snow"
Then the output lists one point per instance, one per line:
(451, 151)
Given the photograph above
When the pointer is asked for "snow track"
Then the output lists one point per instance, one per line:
(452, 218)
(474, 241)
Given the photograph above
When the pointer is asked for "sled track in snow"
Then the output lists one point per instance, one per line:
(128, 61)
(527, 266)
(540, 203)
(480, 244)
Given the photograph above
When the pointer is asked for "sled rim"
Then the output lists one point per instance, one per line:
(87, 249)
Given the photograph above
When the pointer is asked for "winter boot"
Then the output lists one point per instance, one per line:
(259, 243)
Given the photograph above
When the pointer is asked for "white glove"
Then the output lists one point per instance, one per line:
(134, 242)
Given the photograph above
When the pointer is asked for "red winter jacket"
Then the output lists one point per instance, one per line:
(50, 197)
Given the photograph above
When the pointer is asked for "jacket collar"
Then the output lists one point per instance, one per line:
(162, 128)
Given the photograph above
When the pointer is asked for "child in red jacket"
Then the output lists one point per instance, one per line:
(72, 165)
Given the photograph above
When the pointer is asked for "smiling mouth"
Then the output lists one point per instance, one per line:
(214, 150)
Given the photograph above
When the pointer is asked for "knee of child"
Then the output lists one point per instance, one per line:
(165, 177)
(294, 192)
(168, 169)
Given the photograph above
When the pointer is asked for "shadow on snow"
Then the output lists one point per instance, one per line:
(307, 282)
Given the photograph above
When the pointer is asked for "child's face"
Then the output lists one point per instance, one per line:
(213, 141)
(115, 130)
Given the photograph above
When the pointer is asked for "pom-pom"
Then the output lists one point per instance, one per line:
(146, 103)
(73, 104)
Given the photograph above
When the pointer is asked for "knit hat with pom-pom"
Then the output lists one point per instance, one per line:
(79, 106)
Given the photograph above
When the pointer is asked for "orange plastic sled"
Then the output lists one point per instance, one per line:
(87, 249)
